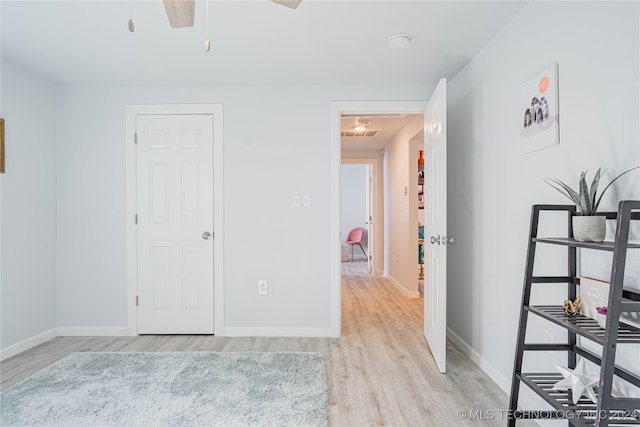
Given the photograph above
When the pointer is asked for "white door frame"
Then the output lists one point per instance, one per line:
(338, 108)
(131, 188)
(376, 250)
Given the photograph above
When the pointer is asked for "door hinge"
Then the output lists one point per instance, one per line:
(136, 300)
(135, 138)
(136, 219)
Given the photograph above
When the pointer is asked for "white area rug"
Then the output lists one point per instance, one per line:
(170, 389)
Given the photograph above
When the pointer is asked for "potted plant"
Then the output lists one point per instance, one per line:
(588, 226)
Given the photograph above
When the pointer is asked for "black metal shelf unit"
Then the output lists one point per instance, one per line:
(609, 410)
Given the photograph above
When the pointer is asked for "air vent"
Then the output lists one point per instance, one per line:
(359, 133)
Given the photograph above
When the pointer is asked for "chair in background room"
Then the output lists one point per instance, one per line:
(355, 238)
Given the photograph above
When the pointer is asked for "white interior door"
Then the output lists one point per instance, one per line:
(369, 221)
(175, 213)
(435, 225)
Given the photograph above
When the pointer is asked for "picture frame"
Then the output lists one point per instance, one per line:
(539, 111)
(1, 145)
(593, 293)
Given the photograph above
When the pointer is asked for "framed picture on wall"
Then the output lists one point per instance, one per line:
(539, 111)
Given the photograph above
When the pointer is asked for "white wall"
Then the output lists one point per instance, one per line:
(266, 162)
(354, 181)
(492, 185)
(28, 205)
(401, 250)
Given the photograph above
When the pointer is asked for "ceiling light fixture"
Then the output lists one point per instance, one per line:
(399, 40)
(361, 125)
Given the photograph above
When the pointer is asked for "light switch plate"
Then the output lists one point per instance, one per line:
(306, 200)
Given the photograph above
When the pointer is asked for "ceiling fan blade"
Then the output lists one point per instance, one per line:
(292, 4)
(180, 12)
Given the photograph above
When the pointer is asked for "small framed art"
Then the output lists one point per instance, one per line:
(539, 109)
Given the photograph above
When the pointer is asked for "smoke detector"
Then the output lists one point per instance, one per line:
(399, 40)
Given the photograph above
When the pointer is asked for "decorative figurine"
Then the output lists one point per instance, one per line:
(571, 308)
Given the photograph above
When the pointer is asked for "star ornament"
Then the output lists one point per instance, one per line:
(576, 381)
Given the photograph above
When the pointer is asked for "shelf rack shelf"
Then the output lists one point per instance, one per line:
(608, 411)
(585, 326)
(585, 410)
(567, 241)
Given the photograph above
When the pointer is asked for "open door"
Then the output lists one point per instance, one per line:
(369, 221)
(435, 225)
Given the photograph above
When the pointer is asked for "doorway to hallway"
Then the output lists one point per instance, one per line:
(434, 125)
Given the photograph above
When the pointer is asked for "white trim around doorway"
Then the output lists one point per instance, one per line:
(337, 109)
(132, 268)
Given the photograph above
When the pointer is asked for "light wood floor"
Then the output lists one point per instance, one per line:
(380, 371)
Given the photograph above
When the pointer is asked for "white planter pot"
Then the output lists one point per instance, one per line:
(589, 228)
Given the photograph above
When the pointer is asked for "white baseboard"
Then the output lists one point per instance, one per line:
(524, 401)
(482, 363)
(25, 345)
(93, 331)
(405, 292)
(274, 332)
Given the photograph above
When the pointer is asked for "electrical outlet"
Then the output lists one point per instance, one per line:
(548, 337)
(263, 287)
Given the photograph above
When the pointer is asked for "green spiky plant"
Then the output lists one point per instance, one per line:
(586, 198)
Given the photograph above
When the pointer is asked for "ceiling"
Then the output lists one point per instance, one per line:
(388, 124)
(252, 42)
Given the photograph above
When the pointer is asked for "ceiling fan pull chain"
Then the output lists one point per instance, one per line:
(132, 23)
(207, 43)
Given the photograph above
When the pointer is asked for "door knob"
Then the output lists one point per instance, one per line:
(450, 240)
(435, 240)
(206, 235)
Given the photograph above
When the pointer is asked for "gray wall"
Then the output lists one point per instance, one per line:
(63, 201)
(266, 163)
(401, 210)
(492, 185)
(28, 206)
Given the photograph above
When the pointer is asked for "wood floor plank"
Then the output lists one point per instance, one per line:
(380, 372)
